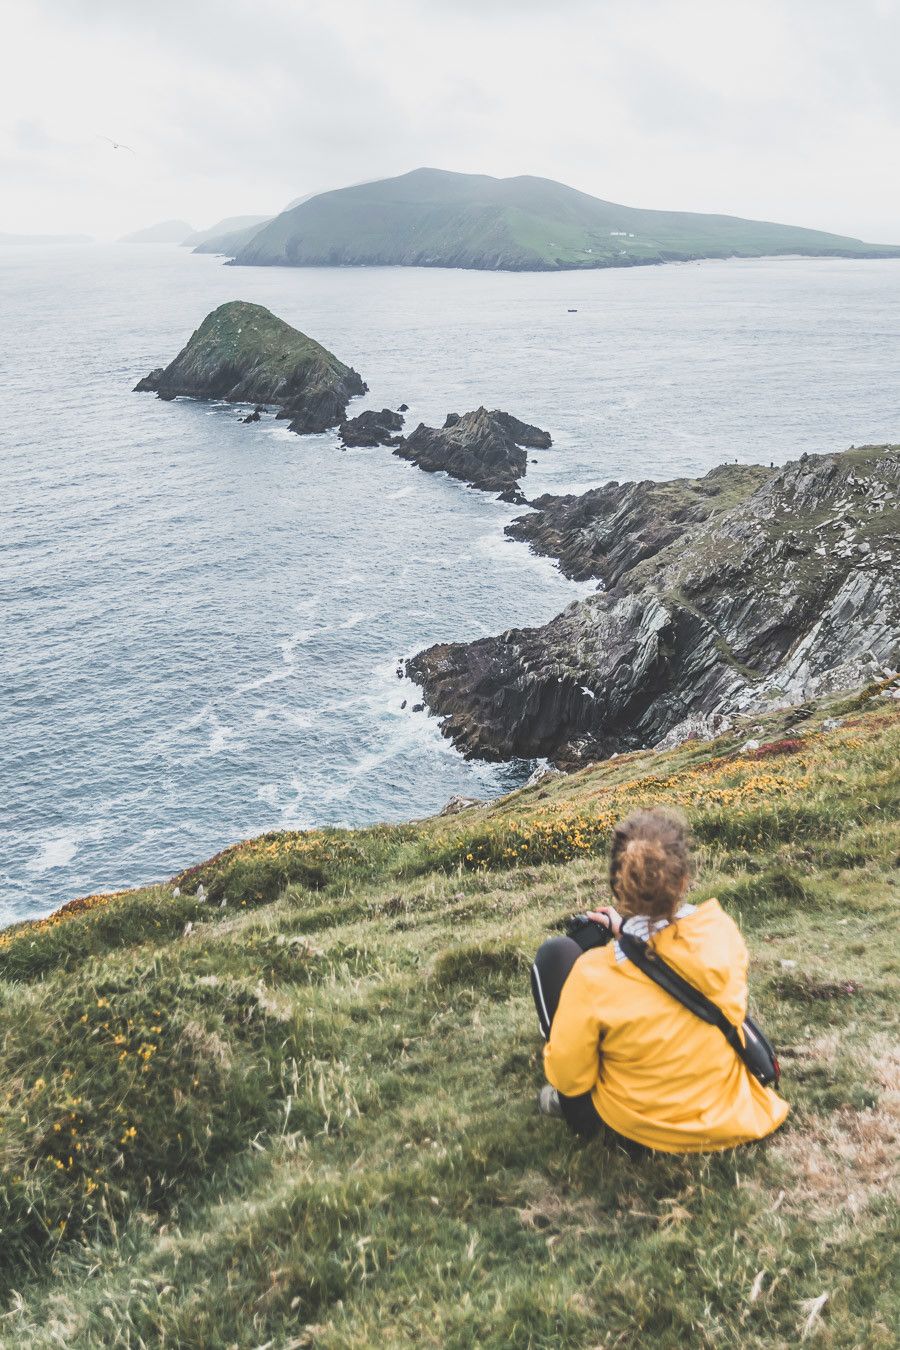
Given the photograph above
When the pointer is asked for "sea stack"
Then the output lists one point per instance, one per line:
(486, 449)
(243, 353)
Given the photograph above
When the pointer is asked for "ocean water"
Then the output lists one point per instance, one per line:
(202, 621)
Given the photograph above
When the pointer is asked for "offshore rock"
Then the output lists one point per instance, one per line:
(791, 592)
(243, 353)
(486, 449)
(372, 428)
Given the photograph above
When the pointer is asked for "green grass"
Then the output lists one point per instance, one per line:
(241, 337)
(302, 1112)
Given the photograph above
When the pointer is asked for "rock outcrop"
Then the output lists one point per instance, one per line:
(790, 592)
(243, 353)
(607, 531)
(486, 449)
(372, 428)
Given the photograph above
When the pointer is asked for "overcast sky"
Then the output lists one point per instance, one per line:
(784, 110)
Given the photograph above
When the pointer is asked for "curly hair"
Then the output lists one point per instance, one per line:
(650, 863)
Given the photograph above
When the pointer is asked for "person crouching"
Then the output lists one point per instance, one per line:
(622, 1053)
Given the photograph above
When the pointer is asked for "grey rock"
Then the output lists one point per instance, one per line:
(542, 774)
(697, 727)
(372, 428)
(751, 609)
(457, 804)
(605, 532)
(486, 449)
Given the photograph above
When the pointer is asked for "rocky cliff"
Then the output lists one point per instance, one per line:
(245, 354)
(486, 449)
(607, 531)
(788, 592)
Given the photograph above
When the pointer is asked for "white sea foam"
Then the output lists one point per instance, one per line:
(221, 737)
(57, 851)
(290, 644)
(273, 677)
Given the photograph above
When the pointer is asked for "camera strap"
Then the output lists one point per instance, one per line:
(755, 1050)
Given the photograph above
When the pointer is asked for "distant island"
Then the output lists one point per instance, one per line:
(45, 239)
(166, 232)
(243, 353)
(231, 225)
(433, 218)
(229, 236)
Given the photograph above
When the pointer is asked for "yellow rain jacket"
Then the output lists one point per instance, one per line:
(658, 1074)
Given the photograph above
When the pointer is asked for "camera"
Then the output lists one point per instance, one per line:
(588, 932)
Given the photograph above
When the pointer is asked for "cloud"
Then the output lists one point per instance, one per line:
(766, 109)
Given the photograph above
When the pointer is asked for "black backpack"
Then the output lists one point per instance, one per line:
(756, 1051)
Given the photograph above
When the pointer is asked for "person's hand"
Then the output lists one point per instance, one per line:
(609, 917)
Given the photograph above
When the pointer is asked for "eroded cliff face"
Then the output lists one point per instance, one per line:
(243, 353)
(790, 591)
(607, 531)
(484, 448)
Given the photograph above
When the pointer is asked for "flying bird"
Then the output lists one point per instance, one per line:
(116, 145)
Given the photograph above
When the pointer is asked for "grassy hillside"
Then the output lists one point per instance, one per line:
(300, 1111)
(430, 218)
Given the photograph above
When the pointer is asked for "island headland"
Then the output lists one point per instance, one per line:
(605, 532)
(243, 353)
(433, 218)
(749, 589)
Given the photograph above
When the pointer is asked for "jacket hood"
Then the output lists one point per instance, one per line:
(707, 949)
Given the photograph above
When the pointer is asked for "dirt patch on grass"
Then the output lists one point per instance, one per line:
(490, 967)
(553, 1211)
(807, 989)
(845, 1160)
